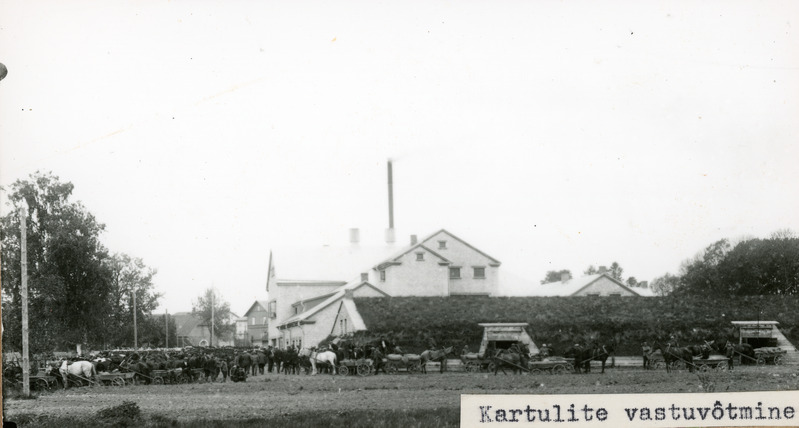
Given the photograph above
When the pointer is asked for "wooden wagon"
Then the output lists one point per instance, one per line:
(412, 363)
(361, 367)
(552, 365)
(713, 362)
(770, 355)
(116, 378)
(169, 377)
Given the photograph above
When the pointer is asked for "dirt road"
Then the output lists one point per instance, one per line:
(280, 394)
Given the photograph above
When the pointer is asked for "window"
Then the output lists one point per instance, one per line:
(383, 276)
(252, 321)
(442, 245)
(454, 273)
(615, 294)
(296, 310)
(479, 272)
(419, 257)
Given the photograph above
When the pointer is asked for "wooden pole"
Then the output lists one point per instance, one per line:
(26, 376)
(135, 331)
(166, 328)
(212, 317)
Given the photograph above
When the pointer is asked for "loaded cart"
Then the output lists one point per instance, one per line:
(116, 378)
(361, 367)
(770, 355)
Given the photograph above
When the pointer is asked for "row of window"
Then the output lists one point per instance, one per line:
(454, 273)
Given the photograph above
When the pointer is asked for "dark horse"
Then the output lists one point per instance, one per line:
(584, 355)
(745, 350)
(516, 358)
(673, 354)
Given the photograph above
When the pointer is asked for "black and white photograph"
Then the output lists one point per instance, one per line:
(399, 213)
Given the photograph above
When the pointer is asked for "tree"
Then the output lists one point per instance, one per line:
(752, 267)
(664, 285)
(555, 276)
(591, 270)
(616, 271)
(68, 280)
(128, 276)
(221, 313)
(632, 282)
(152, 331)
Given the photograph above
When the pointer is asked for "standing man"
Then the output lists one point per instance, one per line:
(223, 369)
(646, 350)
(378, 358)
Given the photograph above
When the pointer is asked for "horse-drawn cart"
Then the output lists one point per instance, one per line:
(169, 377)
(712, 362)
(116, 378)
(43, 381)
(552, 365)
(412, 363)
(361, 367)
(770, 355)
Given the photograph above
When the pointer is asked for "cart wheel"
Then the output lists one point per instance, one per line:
(118, 381)
(778, 360)
(660, 365)
(559, 369)
(535, 371)
(364, 370)
(702, 368)
(391, 369)
(761, 361)
(43, 385)
(158, 380)
(343, 370)
(722, 366)
(491, 367)
(414, 368)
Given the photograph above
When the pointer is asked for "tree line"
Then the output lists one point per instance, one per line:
(79, 292)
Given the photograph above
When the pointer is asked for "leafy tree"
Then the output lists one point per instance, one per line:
(68, 280)
(664, 285)
(128, 276)
(591, 270)
(152, 331)
(632, 282)
(616, 271)
(221, 312)
(555, 276)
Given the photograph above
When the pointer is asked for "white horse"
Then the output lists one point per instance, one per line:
(324, 357)
(82, 369)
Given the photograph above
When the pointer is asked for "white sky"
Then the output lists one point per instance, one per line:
(548, 134)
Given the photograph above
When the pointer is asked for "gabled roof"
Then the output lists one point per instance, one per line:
(574, 286)
(393, 259)
(497, 262)
(341, 292)
(264, 304)
(185, 322)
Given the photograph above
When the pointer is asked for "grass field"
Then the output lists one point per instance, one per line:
(334, 401)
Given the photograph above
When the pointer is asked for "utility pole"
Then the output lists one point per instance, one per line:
(166, 328)
(212, 316)
(26, 376)
(135, 331)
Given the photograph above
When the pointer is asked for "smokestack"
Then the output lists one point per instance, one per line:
(390, 196)
(603, 269)
(355, 235)
(414, 240)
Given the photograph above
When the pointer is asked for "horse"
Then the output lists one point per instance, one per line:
(515, 358)
(82, 369)
(673, 354)
(323, 357)
(437, 356)
(584, 355)
(745, 350)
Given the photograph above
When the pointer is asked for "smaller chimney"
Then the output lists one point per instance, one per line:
(565, 276)
(414, 240)
(364, 276)
(603, 269)
(390, 238)
(355, 235)
(348, 294)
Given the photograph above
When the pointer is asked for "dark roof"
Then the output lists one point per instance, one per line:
(185, 322)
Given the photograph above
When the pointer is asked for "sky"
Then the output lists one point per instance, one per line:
(549, 134)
